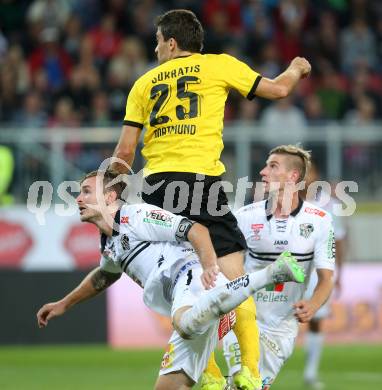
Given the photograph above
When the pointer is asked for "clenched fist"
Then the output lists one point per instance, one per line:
(303, 65)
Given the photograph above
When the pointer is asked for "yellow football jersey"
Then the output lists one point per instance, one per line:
(181, 105)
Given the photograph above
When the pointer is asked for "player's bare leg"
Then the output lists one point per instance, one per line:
(314, 340)
(174, 381)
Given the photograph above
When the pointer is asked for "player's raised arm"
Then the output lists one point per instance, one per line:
(93, 283)
(284, 84)
(126, 146)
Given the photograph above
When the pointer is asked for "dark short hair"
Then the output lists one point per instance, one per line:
(108, 177)
(184, 27)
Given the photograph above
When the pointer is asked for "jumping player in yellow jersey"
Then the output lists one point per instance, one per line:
(181, 103)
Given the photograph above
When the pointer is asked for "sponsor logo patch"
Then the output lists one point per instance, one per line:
(280, 242)
(158, 217)
(270, 344)
(311, 210)
(243, 281)
(168, 357)
(270, 296)
(125, 219)
(256, 229)
(331, 245)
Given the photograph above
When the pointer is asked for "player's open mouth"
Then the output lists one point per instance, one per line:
(81, 208)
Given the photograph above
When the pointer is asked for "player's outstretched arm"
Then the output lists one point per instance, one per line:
(125, 149)
(93, 283)
(200, 239)
(305, 309)
(284, 84)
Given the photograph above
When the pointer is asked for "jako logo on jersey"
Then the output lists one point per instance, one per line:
(243, 281)
(158, 217)
(310, 210)
(125, 219)
(280, 242)
(306, 229)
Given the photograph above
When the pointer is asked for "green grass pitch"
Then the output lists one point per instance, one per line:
(98, 367)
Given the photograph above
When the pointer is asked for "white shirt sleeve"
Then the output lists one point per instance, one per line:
(109, 266)
(338, 222)
(151, 223)
(325, 246)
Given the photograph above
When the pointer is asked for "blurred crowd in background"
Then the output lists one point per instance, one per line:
(67, 63)
(71, 64)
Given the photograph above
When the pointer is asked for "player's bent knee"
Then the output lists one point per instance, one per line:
(177, 380)
(176, 322)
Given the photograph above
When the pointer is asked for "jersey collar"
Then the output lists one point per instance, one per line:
(183, 56)
(117, 222)
(268, 208)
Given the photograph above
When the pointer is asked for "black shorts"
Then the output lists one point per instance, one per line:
(200, 198)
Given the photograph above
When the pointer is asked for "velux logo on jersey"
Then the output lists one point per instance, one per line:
(158, 217)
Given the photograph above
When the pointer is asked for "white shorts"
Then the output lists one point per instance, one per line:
(191, 356)
(324, 310)
(274, 351)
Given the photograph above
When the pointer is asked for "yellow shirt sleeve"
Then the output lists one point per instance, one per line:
(240, 76)
(134, 108)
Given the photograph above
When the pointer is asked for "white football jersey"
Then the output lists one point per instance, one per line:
(146, 249)
(307, 233)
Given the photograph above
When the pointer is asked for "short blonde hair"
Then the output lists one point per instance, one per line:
(301, 158)
(108, 176)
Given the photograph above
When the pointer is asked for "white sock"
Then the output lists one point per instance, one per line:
(232, 354)
(221, 300)
(313, 344)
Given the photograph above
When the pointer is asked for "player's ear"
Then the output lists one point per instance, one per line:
(173, 43)
(295, 175)
(110, 197)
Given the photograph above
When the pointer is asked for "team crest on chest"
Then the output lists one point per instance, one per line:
(306, 229)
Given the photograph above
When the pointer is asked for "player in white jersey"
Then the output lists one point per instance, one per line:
(173, 259)
(284, 222)
(314, 338)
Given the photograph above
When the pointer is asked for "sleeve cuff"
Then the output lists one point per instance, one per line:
(134, 124)
(251, 93)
